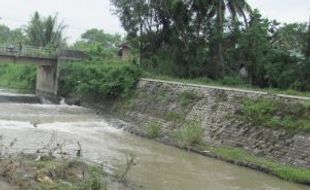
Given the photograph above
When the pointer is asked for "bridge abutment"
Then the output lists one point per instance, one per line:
(47, 80)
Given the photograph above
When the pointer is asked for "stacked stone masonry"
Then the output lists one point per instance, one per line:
(215, 107)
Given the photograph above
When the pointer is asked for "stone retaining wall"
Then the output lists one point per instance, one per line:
(161, 102)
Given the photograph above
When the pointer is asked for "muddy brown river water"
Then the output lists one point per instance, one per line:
(159, 167)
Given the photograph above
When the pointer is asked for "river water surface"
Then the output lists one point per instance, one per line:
(159, 167)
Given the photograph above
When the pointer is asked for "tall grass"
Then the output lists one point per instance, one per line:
(18, 76)
(273, 113)
(190, 134)
(153, 130)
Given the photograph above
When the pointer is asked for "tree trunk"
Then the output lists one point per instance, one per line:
(220, 54)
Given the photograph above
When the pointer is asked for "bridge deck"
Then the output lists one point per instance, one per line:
(26, 53)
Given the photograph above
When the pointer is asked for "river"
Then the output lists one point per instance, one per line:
(159, 167)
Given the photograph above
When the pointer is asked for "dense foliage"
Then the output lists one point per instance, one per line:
(214, 39)
(271, 113)
(18, 76)
(99, 45)
(45, 32)
(98, 80)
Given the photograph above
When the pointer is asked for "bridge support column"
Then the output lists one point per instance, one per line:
(47, 81)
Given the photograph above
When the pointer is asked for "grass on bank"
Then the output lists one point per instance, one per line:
(187, 98)
(153, 130)
(18, 76)
(27, 173)
(276, 114)
(190, 134)
(233, 82)
(292, 174)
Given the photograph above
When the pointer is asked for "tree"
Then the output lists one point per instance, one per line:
(98, 44)
(99, 36)
(8, 36)
(235, 8)
(4, 33)
(290, 38)
(45, 32)
(307, 42)
(254, 47)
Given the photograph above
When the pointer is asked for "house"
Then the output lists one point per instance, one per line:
(123, 51)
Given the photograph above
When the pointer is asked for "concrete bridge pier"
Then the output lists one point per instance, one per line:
(47, 61)
(47, 81)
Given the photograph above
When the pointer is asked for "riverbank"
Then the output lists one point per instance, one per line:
(33, 171)
(209, 121)
(157, 166)
(232, 155)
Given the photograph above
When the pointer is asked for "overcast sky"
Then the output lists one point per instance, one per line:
(81, 15)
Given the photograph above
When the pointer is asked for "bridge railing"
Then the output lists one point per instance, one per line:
(37, 52)
(71, 55)
(28, 51)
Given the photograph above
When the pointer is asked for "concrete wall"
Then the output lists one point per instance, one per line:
(155, 101)
(47, 81)
(26, 60)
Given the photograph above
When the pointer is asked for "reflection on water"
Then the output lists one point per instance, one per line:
(159, 167)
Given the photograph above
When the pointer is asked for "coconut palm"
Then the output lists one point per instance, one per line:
(236, 8)
(45, 32)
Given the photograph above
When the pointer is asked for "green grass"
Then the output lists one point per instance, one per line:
(174, 117)
(153, 130)
(98, 80)
(233, 82)
(287, 173)
(18, 76)
(187, 98)
(190, 134)
(276, 114)
(50, 174)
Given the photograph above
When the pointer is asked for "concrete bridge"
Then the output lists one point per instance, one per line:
(47, 61)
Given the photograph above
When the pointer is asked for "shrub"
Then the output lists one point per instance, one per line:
(187, 98)
(153, 130)
(18, 76)
(232, 81)
(258, 111)
(98, 80)
(174, 117)
(272, 113)
(190, 134)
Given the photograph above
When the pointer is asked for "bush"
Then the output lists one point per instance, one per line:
(190, 134)
(232, 81)
(271, 113)
(18, 76)
(187, 98)
(98, 80)
(153, 130)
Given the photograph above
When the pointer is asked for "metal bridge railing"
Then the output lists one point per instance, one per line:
(28, 51)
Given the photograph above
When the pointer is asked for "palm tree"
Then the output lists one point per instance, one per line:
(45, 32)
(236, 8)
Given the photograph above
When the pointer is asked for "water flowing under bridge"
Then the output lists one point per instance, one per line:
(48, 61)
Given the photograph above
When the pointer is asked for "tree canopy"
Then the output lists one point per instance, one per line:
(208, 38)
(45, 31)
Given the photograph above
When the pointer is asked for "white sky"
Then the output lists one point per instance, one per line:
(81, 15)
